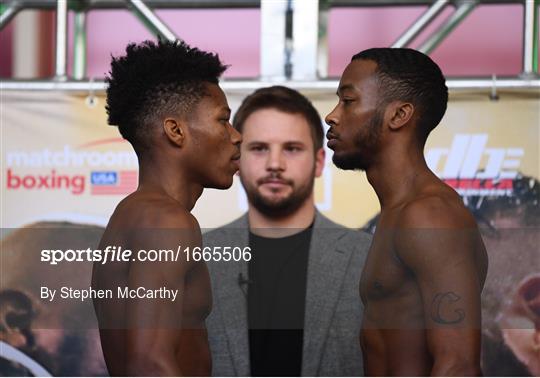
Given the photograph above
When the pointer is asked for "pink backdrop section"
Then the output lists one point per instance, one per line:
(488, 41)
(492, 43)
(232, 33)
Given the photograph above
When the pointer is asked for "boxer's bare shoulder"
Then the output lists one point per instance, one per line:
(437, 206)
(436, 232)
(152, 210)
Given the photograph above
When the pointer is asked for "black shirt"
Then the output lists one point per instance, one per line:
(276, 303)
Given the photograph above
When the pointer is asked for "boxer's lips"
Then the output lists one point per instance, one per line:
(235, 162)
(330, 135)
(332, 143)
(332, 140)
(530, 292)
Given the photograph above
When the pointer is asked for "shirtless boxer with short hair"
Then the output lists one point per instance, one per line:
(166, 100)
(426, 267)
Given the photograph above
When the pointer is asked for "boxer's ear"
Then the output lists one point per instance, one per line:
(174, 130)
(400, 113)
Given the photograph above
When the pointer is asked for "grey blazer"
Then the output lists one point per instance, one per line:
(333, 310)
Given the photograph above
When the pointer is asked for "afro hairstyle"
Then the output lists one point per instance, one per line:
(153, 80)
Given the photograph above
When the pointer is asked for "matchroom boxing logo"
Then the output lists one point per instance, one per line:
(106, 172)
(474, 170)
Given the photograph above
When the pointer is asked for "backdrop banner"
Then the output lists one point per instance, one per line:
(63, 168)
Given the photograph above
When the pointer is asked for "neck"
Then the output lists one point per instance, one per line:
(163, 178)
(396, 173)
(263, 225)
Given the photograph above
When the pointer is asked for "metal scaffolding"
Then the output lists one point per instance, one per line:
(457, 84)
(463, 10)
(420, 24)
(289, 54)
(61, 41)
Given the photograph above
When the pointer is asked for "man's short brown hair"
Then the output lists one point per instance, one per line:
(283, 99)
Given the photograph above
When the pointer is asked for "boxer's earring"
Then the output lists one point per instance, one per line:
(174, 131)
(401, 114)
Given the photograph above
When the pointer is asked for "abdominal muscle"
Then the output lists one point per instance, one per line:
(194, 353)
(394, 352)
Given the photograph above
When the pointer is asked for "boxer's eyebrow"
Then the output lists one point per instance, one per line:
(224, 109)
(344, 88)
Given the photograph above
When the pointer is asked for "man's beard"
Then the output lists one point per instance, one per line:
(280, 207)
(366, 145)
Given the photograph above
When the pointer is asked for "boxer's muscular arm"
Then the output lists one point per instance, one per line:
(438, 241)
(154, 325)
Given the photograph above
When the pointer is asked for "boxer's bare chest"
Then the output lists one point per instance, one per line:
(387, 286)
